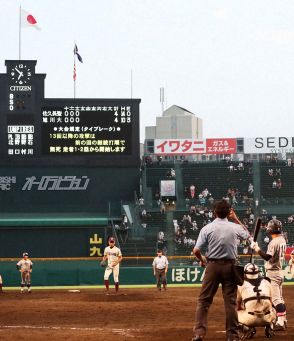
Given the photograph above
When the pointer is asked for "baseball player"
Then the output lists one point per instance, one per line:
(1, 285)
(291, 264)
(160, 267)
(254, 300)
(113, 256)
(274, 258)
(25, 266)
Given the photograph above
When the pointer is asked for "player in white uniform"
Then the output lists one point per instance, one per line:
(113, 256)
(254, 299)
(25, 266)
(160, 267)
(291, 264)
(1, 284)
(274, 258)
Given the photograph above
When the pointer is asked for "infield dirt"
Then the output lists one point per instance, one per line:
(133, 314)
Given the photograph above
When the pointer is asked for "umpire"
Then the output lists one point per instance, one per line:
(221, 239)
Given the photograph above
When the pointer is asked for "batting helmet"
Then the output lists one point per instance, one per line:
(274, 226)
(25, 254)
(251, 271)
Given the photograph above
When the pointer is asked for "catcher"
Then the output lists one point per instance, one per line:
(254, 299)
(113, 256)
(25, 266)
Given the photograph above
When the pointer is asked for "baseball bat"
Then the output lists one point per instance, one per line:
(255, 234)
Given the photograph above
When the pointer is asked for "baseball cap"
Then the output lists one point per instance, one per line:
(25, 254)
(111, 240)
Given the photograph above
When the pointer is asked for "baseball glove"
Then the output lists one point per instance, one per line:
(103, 263)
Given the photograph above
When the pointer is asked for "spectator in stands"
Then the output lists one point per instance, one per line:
(162, 208)
(289, 162)
(125, 221)
(201, 199)
(160, 236)
(290, 219)
(279, 184)
(250, 188)
(266, 240)
(278, 171)
(192, 191)
(144, 213)
(144, 225)
(231, 168)
(141, 201)
(271, 172)
(194, 225)
(240, 166)
(173, 173)
(274, 184)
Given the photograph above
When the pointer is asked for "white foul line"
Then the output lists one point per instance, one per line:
(125, 332)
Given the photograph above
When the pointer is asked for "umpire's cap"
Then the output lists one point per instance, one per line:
(274, 226)
(25, 254)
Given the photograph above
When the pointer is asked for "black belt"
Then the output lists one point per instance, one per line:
(255, 298)
(221, 260)
(259, 313)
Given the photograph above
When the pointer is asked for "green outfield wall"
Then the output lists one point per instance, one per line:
(89, 272)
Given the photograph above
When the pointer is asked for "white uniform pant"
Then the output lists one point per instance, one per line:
(256, 320)
(277, 291)
(0, 279)
(114, 270)
(25, 278)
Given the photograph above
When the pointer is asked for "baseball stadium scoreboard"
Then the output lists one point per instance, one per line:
(39, 131)
(59, 157)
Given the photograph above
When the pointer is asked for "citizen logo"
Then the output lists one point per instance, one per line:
(20, 88)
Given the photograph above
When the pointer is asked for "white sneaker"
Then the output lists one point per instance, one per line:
(29, 290)
(21, 290)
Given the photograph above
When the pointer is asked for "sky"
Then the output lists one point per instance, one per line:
(230, 62)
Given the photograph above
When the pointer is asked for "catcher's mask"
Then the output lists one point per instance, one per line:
(251, 271)
(274, 226)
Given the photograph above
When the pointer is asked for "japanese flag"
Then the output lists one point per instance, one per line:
(28, 20)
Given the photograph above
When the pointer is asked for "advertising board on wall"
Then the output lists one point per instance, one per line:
(195, 146)
(269, 145)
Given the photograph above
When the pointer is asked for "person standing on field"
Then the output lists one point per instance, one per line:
(25, 266)
(221, 240)
(274, 258)
(113, 256)
(160, 267)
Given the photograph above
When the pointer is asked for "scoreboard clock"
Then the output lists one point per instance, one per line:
(21, 74)
(21, 85)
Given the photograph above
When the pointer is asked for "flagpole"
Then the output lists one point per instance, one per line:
(131, 83)
(19, 35)
(74, 76)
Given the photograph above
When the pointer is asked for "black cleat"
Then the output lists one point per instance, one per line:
(197, 338)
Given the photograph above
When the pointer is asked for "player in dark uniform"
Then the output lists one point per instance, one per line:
(221, 238)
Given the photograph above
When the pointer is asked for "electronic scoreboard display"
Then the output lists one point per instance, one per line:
(75, 132)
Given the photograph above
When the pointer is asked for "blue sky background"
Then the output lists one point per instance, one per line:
(230, 62)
